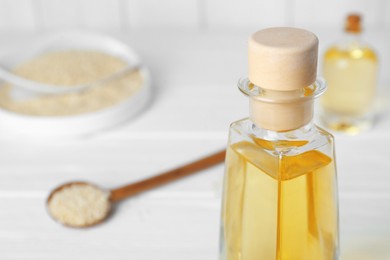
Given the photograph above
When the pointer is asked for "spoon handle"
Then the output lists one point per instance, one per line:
(167, 177)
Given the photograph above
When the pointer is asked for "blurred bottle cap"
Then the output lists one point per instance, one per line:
(353, 23)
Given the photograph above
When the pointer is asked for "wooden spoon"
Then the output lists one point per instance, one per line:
(129, 190)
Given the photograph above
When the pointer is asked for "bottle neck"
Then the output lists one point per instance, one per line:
(352, 35)
(300, 133)
(281, 111)
(351, 39)
(281, 116)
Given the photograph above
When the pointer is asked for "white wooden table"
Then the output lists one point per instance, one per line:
(195, 100)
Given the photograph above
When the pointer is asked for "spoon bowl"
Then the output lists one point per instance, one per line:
(79, 205)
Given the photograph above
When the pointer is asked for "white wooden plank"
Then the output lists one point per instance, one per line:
(165, 229)
(332, 13)
(101, 14)
(162, 14)
(387, 14)
(55, 14)
(111, 163)
(190, 57)
(17, 15)
(364, 232)
(155, 229)
(254, 14)
(361, 165)
(91, 14)
(108, 164)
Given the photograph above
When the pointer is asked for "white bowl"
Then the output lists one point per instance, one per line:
(81, 124)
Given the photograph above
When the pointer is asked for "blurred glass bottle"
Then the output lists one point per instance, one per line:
(350, 68)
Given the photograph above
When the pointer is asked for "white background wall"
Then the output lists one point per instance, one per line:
(36, 15)
(324, 17)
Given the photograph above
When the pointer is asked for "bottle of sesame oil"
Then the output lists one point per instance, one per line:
(280, 189)
(351, 70)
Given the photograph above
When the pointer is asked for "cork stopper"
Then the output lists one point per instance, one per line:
(353, 23)
(283, 58)
(282, 62)
(284, 116)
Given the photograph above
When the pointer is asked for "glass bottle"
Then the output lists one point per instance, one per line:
(280, 188)
(350, 68)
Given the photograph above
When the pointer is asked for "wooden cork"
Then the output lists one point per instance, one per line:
(283, 58)
(353, 23)
(281, 116)
(284, 61)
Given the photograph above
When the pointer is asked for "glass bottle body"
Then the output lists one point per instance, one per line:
(350, 69)
(280, 195)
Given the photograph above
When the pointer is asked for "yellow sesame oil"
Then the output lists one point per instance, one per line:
(351, 74)
(351, 77)
(279, 206)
